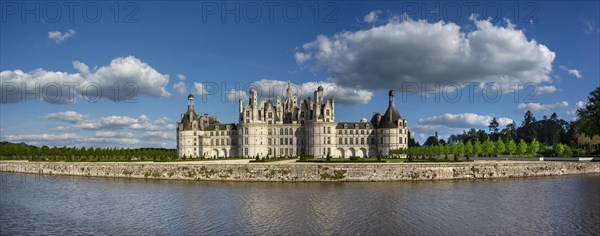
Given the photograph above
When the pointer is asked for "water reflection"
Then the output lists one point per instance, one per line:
(32, 204)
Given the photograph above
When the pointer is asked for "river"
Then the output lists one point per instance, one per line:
(66, 205)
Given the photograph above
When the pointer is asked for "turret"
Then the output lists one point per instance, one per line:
(190, 106)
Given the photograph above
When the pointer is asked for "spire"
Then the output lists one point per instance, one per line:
(191, 102)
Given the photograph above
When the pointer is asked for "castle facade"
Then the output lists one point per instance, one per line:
(289, 128)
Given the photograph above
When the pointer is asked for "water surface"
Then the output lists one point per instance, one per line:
(33, 204)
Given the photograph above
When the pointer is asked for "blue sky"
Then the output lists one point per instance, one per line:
(469, 55)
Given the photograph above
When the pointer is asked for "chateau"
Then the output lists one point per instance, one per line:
(289, 128)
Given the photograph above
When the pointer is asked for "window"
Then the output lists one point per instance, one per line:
(328, 140)
(351, 141)
(345, 140)
(372, 140)
(280, 141)
(381, 140)
(340, 131)
(270, 115)
(362, 140)
(270, 143)
(329, 130)
(270, 132)
(351, 132)
(246, 151)
(291, 141)
(281, 131)
(212, 142)
(339, 140)
(362, 132)
(286, 141)
(327, 112)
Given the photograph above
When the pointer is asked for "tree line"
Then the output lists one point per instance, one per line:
(487, 148)
(16, 151)
(552, 136)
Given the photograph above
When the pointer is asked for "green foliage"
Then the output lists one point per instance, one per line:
(488, 147)
(559, 148)
(22, 151)
(477, 148)
(511, 147)
(589, 115)
(522, 147)
(468, 149)
(534, 147)
(500, 147)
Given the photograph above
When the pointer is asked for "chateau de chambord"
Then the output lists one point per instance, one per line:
(289, 128)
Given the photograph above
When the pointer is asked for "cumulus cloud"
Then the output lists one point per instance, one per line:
(372, 16)
(82, 122)
(179, 87)
(416, 51)
(66, 116)
(270, 89)
(132, 76)
(535, 106)
(59, 37)
(181, 77)
(573, 72)
(448, 124)
(546, 89)
(199, 89)
(464, 120)
(108, 131)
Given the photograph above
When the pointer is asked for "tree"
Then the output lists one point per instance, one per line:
(489, 147)
(522, 147)
(494, 125)
(477, 148)
(500, 147)
(431, 141)
(559, 148)
(511, 147)
(589, 115)
(534, 147)
(468, 149)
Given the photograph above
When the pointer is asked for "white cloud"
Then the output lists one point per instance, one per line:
(301, 57)
(534, 106)
(580, 104)
(59, 37)
(372, 16)
(179, 87)
(81, 122)
(463, 120)
(133, 77)
(448, 124)
(111, 134)
(181, 77)
(163, 121)
(272, 88)
(573, 72)
(546, 89)
(66, 116)
(107, 131)
(404, 51)
(199, 89)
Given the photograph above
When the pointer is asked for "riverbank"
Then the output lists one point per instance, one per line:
(303, 172)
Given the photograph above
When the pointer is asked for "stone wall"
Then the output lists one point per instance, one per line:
(298, 172)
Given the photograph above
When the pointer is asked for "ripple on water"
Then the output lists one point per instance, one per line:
(567, 205)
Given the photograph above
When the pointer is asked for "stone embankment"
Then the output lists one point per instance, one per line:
(301, 172)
